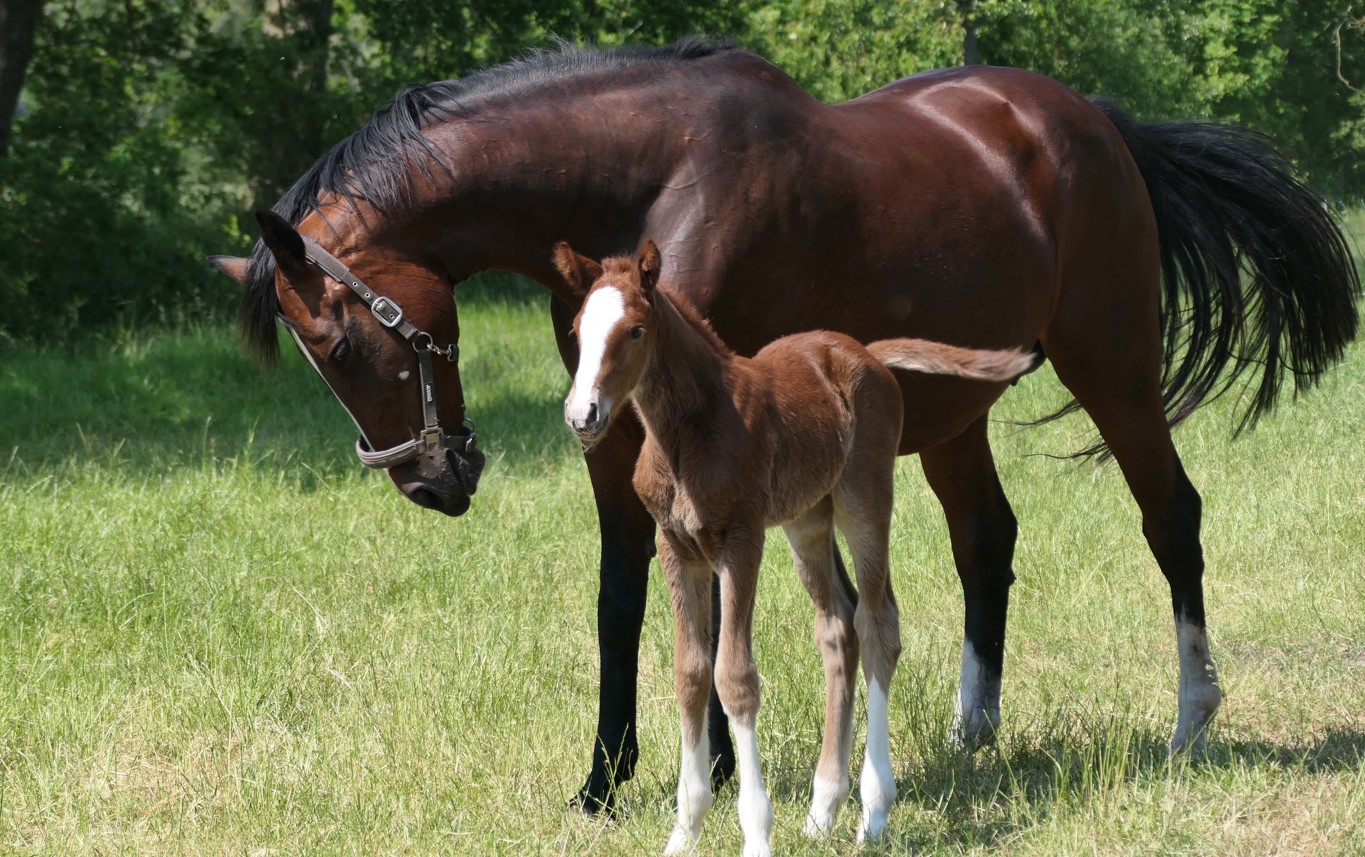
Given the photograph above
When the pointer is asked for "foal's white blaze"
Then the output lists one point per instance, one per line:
(603, 311)
(877, 788)
(755, 810)
(1199, 694)
(978, 700)
(694, 793)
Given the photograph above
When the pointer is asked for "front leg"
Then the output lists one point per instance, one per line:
(627, 547)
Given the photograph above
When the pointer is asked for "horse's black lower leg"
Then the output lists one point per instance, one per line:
(620, 616)
(983, 529)
(717, 724)
(627, 548)
(1172, 532)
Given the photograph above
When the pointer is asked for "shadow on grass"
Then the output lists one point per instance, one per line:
(984, 798)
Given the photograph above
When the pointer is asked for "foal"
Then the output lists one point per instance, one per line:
(803, 435)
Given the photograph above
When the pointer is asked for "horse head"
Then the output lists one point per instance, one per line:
(615, 331)
(381, 330)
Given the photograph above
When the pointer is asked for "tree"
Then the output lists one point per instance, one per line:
(18, 23)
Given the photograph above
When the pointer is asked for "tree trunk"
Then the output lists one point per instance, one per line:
(18, 22)
(971, 53)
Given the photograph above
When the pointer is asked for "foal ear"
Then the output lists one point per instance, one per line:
(650, 262)
(579, 272)
(285, 244)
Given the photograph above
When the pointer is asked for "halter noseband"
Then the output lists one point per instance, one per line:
(432, 438)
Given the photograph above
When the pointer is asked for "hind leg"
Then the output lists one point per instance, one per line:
(862, 510)
(982, 528)
(1121, 390)
(815, 554)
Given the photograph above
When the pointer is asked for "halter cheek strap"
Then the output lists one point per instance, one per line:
(432, 438)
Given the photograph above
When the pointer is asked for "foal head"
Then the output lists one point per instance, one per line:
(615, 331)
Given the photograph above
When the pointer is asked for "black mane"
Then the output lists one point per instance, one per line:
(373, 163)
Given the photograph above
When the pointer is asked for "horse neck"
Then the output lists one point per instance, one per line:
(688, 374)
(520, 182)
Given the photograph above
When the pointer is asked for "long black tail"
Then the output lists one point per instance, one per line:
(1255, 272)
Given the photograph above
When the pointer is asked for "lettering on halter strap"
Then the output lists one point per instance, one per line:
(429, 395)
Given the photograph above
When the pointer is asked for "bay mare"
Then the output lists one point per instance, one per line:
(1157, 264)
(802, 436)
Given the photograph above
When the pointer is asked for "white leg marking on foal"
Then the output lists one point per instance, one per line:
(1199, 693)
(755, 810)
(694, 794)
(603, 311)
(877, 788)
(977, 713)
(826, 798)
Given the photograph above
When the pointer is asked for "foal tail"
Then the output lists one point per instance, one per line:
(1255, 272)
(921, 355)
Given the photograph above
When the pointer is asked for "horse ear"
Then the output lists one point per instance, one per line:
(650, 263)
(285, 244)
(579, 272)
(234, 266)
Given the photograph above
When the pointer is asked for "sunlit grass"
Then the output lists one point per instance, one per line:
(220, 635)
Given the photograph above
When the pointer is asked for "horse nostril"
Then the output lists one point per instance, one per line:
(592, 414)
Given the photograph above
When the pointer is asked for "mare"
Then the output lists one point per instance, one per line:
(803, 435)
(988, 207)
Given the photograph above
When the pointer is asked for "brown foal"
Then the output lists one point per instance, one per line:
(803, 435)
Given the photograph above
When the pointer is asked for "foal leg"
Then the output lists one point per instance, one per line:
(689, 584)
(737, 681)
(1122, 394)
(814, 552)
(982, 528)
(862, 509)
(627, 546)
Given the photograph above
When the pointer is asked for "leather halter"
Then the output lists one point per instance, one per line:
(433, 438)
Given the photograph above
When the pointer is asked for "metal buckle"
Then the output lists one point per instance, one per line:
(430, 439)
(389, 313)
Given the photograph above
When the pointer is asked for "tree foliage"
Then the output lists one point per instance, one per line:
(148, 130)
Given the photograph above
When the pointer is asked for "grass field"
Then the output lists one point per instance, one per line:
(219, 634)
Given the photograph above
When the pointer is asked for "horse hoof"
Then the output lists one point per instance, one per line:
(722, 770)
(593, 801)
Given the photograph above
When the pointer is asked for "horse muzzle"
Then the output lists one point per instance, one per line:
(588, 423)
(443, 480)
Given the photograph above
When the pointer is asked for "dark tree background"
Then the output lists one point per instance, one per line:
(136, 136)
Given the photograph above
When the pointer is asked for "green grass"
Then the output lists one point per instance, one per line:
(219, 634)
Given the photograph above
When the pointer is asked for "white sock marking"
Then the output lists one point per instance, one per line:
(755, 810)
(977, 713)
(877, 788)
(694, 794)
(604, 310)
(1198, 693)
(826, 798)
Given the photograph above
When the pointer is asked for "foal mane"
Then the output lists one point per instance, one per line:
(376, 162)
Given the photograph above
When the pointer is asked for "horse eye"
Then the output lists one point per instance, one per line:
(342, 351)
(637, 332)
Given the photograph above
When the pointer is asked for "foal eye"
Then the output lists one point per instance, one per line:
(637, 332)
(342, 351)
